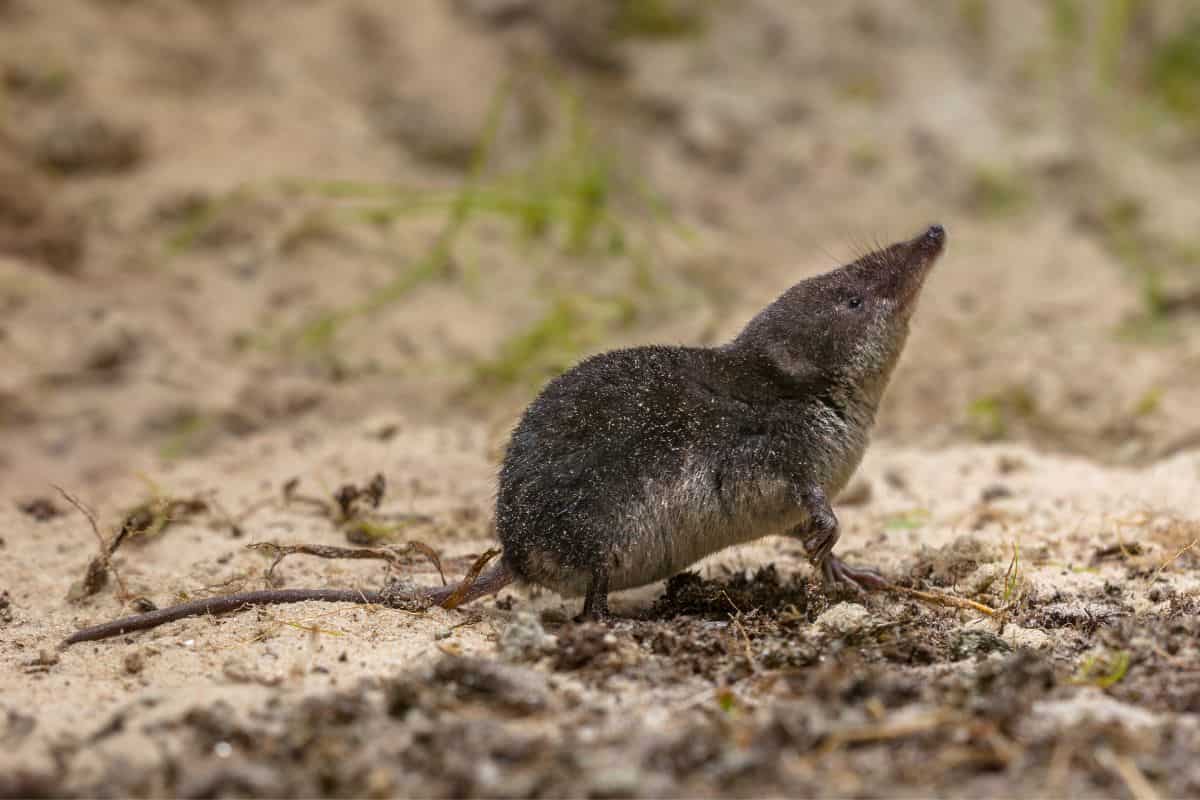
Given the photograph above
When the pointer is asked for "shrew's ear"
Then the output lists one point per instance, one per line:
(791, 362)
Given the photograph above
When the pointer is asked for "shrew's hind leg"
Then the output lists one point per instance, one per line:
(820, 535)
(595, 602)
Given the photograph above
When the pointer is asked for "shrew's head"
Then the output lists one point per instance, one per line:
(846, 327)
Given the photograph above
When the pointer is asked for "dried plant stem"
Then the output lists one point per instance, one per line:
(99, 567)
(390, 554)
(940, 599)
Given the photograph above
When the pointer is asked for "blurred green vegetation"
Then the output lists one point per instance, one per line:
(550, 342)
(1102, 670)
(1116, 18)
(661, 19)
(1175, 70)
(1166, 272)
(571, 199)
(1140, 60)
(1066, 20)
(999, 191)
(1014, 579)
(990, 418)
(975, 14)
(183, 435)
(908, 520)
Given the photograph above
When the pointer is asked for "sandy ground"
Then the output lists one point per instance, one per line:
(722, 654)
(236, 256)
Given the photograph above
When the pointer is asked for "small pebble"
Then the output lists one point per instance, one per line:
(524, 638)
(844, 618)
(997, 491)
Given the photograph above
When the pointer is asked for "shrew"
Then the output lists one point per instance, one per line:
(637, 463)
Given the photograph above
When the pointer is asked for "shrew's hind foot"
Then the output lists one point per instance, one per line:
(593, 616)
(835, 572)
(595, 602)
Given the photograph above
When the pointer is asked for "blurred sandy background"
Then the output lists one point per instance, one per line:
(218, 218)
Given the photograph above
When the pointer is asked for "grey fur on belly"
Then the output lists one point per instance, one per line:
(671, 526)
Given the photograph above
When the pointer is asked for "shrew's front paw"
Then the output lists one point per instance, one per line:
(836, 572)
(820, 537)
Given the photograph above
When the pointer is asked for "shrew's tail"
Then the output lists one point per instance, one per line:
(473, 587)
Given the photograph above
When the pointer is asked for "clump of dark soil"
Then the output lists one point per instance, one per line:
(1161, 652)
(41, 509)
(688, 594)
(31, 225)
(946, 566)
(79, 143)
(455, 680)
(586, 645)
(1003, 691)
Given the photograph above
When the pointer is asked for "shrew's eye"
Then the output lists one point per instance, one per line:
(854, 302)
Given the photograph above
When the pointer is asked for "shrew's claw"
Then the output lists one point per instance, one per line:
(835, 571)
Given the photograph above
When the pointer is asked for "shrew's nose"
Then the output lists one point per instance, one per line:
(936, 233)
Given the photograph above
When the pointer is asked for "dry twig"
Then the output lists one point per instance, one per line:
(1129, 772)
(98, 568)
(940, 599)
(737, 621)
(390, 554)
(1170, 560)
(887, 731)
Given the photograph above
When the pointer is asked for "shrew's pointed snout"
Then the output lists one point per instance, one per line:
(931, 241)
(919, 252)
(909, 262)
